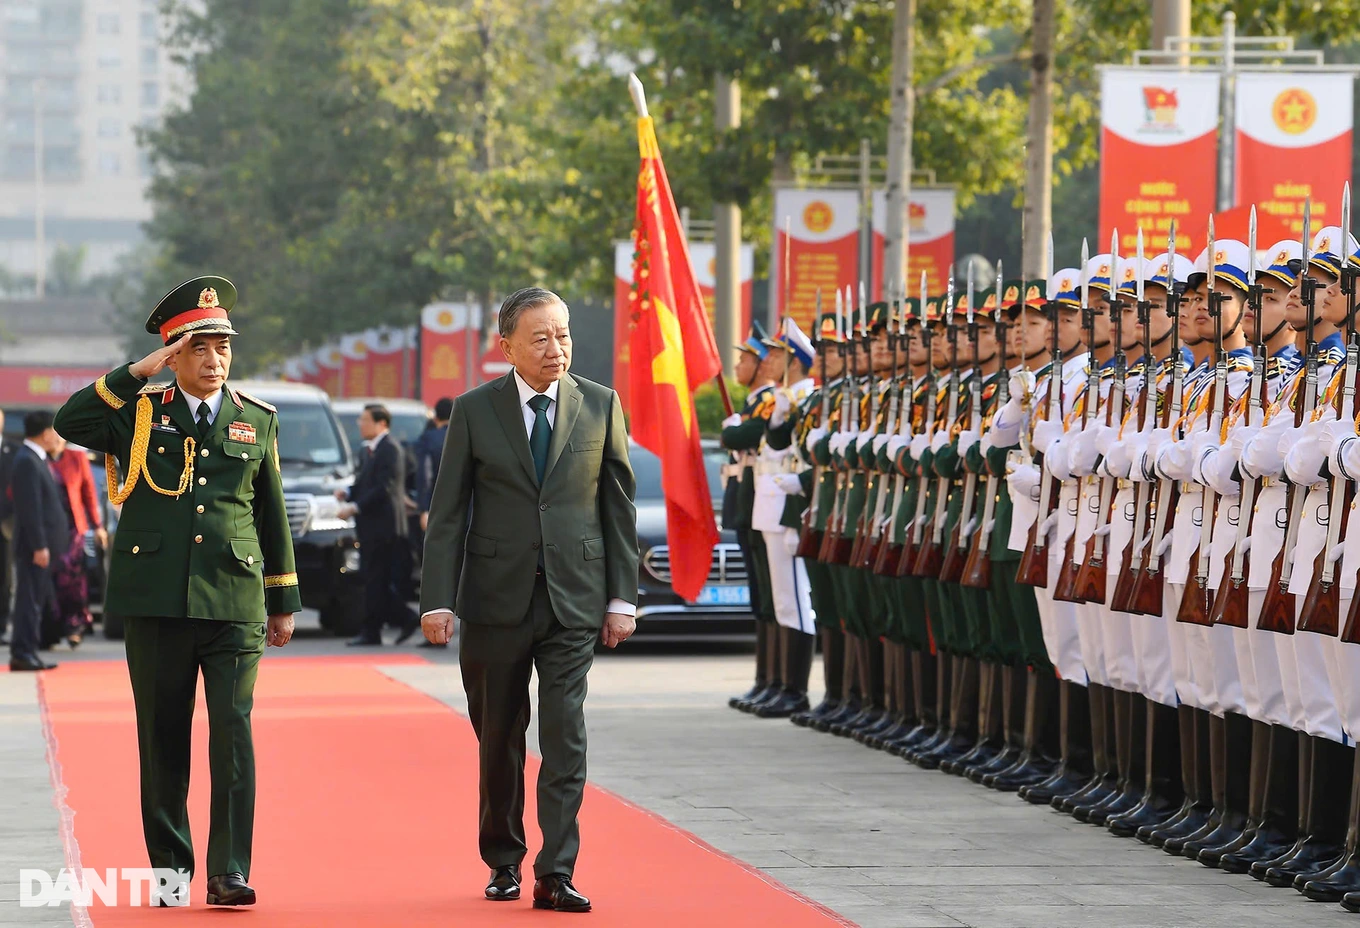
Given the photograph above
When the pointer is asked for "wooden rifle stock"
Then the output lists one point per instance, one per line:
(1148, 589)
(1090, 580)
(1230, 603)
(1122, 598)
(1195, 604)
(951, 569)
(1277, 612)
(977, 569)
(1351, 633)
(1065, 590)
(809, 538)
(1322, 606)
(1033, 567)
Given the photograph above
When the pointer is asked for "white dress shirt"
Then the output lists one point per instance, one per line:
(214, 404)
(527, 393)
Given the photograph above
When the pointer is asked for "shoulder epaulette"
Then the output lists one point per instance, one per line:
(256, 400)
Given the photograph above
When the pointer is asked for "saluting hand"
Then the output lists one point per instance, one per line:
(154, 363)
(279, 631)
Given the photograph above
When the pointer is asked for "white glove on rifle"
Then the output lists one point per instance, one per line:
(734, 419)
(1261, 455)
(840, 440)
(781, 409)
(1346, 458)
(1024, 481)
(1082, 450)
(1047, 433)
(940, 440)
(967, 439)
(1173, 460)
(1022, 382)
(880, 441)
(814, 437)
(1217, 468)
(919, 444)
(1059, 461)
(895, 445)
(1304, 458)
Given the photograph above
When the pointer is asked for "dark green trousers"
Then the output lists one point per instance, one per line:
(763, 603)
(1024, 610)
(910, 593)
(496, 662)
(823, 594)
(164, 658)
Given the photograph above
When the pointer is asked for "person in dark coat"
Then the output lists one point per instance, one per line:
(378, 503)
(40, 537)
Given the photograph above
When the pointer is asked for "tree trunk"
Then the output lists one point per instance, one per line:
(1039, 148)
(899, 149)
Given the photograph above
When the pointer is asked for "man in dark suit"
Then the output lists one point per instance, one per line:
(40, 536)
(378, 503)
(7, 451)
(532, 541)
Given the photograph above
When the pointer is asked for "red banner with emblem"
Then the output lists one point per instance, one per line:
(824, 227)
(355, 377)
(930, 241)
(447, 362)
(42, 386)
(1158, 156)
(1294, 137)
(330, 365)
(386, 362)
(704, 257)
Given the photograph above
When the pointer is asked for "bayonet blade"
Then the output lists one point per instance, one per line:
(1085, 275)
(1048, 260)
(998, 291)
(968, 300)
(1307, 233)
(1346, 222)
(1209, 287)
(922, 308)
(1251, 247)
(1139, 269)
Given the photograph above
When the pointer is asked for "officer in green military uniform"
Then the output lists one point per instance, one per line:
(202, 568)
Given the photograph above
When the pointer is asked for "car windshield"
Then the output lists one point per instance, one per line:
(406, 426)
(647, 470)
(307, 435)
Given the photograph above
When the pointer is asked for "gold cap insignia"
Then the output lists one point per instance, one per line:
(207, 299)
(1012, 294)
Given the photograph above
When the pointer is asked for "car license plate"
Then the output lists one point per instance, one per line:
(724, 596)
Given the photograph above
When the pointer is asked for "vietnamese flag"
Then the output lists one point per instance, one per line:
(673, 351)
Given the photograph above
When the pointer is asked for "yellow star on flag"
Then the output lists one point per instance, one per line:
(668, 366)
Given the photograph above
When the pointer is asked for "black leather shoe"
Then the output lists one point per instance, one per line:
(504, 884)
(31, 663)
(736, 701)
(230, 889)
(785, 705)
(555, 892)
(363, 641)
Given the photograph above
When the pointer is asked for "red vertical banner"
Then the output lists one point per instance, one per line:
(354, 379)
(330, 365)
(823, 251)
(443, 351)
(1293, 142)
(1158, 156)
(410, 337)
(703, 255)
(930, 242)
(386, 356)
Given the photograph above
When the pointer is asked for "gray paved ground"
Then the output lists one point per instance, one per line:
(882, 843)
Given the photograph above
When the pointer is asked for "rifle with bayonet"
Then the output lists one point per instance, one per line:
(1230, 603)
(889, 556)
(809, 535)
(1131, 564)
(1091, 576)
(1322, 606)
(1277, 610)
(1198, 597)
(1147, 589)
(1065, 590)
(917, 537)
(1033, 567)
(977, 570)
(930, 557)
(869, 549)
(831, 537)
(869, 424)
(956, 552)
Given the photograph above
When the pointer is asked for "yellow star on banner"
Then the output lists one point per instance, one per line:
(668, 367)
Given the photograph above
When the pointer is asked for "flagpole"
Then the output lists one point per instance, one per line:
(640, 101)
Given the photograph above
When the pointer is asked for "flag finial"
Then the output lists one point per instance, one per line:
(639, 95)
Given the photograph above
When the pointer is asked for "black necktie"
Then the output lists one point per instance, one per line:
(203, 423)
(540, 436)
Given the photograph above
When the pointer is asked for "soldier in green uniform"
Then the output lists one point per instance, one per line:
(202, 569)
(809, 422)
(759, 368)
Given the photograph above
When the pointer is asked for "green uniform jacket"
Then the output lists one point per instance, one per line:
(222, 548)
(746, 436)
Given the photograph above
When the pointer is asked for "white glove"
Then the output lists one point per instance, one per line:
(1204, 450)
(1022, 382)
(919, 443)
(1121, 455)
(734, 419)
(880, 441)
(1047, 432)
(1010, 414)
(840, 440)
(1082, 450)
(1059, 461)
(1304, 458)
(788, 484)
(1261, 455)
(1333, 433)
(1003, 435)
(864, 439)
(967, 439)
(791, 541)
(895, 445)
(1217, 468)
(1173, 460)
(781, 408)
(814, 437)
(940, 440)
(1023, 481)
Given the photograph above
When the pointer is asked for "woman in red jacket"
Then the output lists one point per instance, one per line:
(71, 466)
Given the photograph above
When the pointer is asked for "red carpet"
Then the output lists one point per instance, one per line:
(366, 815)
